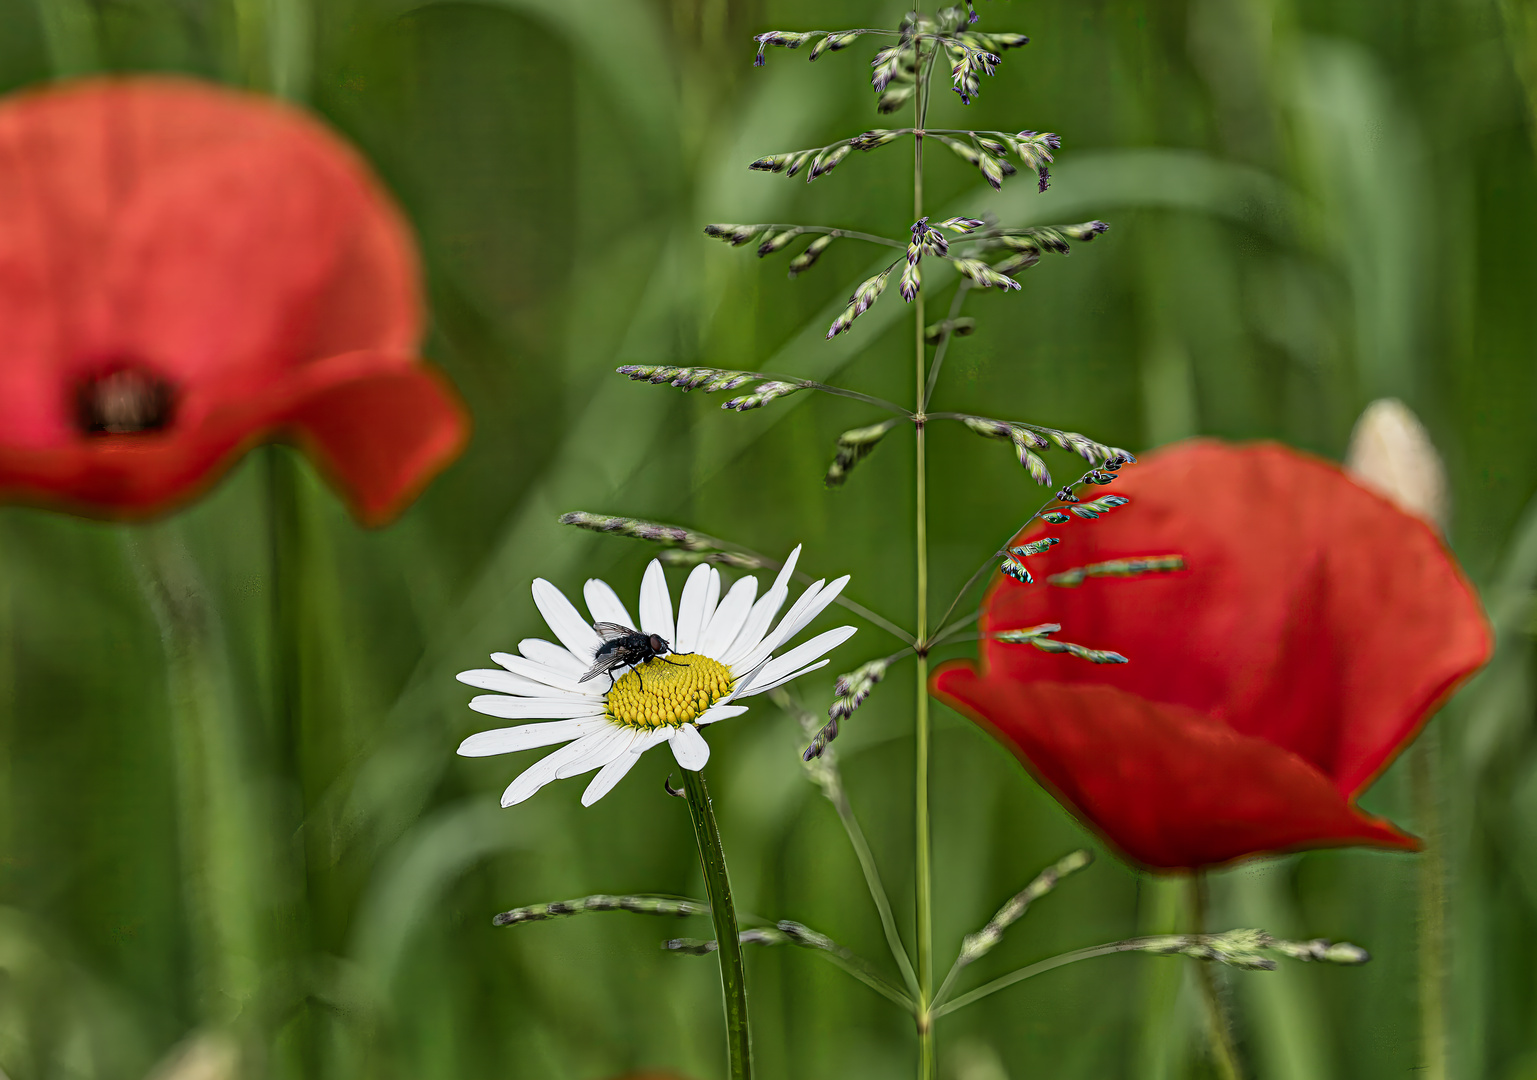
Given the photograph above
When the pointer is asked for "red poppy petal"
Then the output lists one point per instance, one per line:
(1313, 613)
(381, 426)
(227, 248)
(384, 435)
(1170, 788)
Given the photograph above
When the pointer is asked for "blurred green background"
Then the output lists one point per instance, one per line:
(231, 820)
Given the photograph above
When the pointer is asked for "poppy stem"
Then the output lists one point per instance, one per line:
(1224, 1053)
(1432, 903)
(223, 836)
(733, 976)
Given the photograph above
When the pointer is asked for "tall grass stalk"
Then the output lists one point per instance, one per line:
(924, 901)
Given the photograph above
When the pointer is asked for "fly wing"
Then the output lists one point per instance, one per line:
(610, 630)
(604, 665)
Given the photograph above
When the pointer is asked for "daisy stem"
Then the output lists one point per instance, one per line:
(1224, 1054)
(733, 978)
(923, 871)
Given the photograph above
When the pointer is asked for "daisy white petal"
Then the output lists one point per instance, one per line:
(804, 653)
(691, 609)
(607, 777)
(656, 603)
(729, 618)
(762, 614)
(525, 708)
(760, 683)
(794, 624)
(788, 569)
(503, 682)
(509, 740)
(542, 771)
(604, 605)
(808, 607)
(552, 655)
(772, 638)
(603, 747)
(574, 632)
(555, 680)
(689, 747)
(615, 770)
(711, 602)
(716, 713)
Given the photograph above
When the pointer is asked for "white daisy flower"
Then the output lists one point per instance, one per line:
(714, 653)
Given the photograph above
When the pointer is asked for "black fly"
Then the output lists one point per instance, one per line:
(623, 647)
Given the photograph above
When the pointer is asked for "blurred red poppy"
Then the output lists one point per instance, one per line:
(185, 272)
(1313, 630)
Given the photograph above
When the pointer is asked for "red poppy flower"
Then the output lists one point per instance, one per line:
(185, 272)
(1314, 628)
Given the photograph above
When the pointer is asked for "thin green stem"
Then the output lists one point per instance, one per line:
(842, 234)
(804, 937)
(733, 978)
(868, 399)
(944, 343)
(1224, 1053)
(291, 602)
(872, 874)
(1003, 982)
(1432, 921)
(924, 870)
(986, 565)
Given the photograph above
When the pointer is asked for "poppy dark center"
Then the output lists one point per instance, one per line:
(124, 401)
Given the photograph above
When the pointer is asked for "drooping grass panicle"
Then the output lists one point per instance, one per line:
(681, 546)
(1014, 561)
(639, 904)
(1040, 637)
(864, 296)
(1097, 507)
(1244, 949)
(789, 932)
(769, 388)
(1039, 239)
(1148, 564)
(1046, 512)
(963, 326)
(820, 160)
(1236, 948)
(851, 689)
(804, 261)
(640, 529)
(826, 41)
(739, 235)
(854, 446)
(763, 935)
(1029, 438)
(977, 945)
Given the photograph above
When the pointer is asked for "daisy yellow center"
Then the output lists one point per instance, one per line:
(668, 693)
